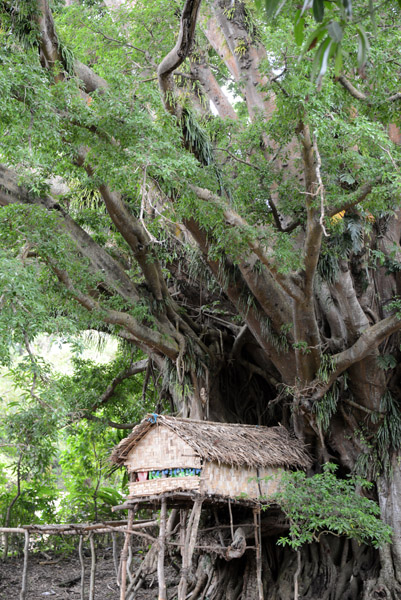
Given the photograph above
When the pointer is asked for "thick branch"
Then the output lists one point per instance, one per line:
(50, 51)
(369, 340)
(155, 340)
(178, 54)
(100, 260)
(133, 233)
(225, 36)
(313, 226)
(203, 73)
(235, 220)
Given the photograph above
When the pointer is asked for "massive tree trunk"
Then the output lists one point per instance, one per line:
(301, 323)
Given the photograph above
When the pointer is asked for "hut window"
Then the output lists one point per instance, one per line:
(166, 473)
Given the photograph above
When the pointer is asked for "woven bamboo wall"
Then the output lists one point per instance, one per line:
(235, 482)
(158, 486)
(159, 449)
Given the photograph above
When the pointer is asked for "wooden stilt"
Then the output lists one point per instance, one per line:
(138, 578)
(81, 560)
(24, 586)
(256, 521)
(231, 520)
(183, 528)
(124, 555)
(161, 551)
(93, 568)
(129, 562)
(188, 549)
(216, 516)
(296, 575)
(115, 553)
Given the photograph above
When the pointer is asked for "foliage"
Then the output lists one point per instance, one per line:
(324, 504)
(62, 463)
(338, 20)
(90, 490)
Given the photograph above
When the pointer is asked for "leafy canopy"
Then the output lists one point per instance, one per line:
(325, 504)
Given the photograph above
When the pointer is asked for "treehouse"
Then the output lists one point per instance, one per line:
(213, 460)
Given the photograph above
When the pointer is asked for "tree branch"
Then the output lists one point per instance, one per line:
(178, 54)
(351, 89)
(240, 160)
(369, 340)
(314, 228)
(235, 220)
(100, 260)
(50, 51)
(133, 233)
(360, 195)
(355, 93)
(161, 341)
(133, 369)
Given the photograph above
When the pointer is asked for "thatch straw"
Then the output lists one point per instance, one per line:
(231, 444)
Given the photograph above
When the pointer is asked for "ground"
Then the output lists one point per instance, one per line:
(53, 580)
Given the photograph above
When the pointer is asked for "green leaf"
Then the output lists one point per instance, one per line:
(324, 63)
(318, 10)
(316, 35)
(318, 60)
(299, 28)
(363, 46)
(335, 31)
(338, 64)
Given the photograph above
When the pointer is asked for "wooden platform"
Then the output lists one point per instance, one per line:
(181, 499)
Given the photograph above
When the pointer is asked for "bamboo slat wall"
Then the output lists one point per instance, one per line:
(159, 486)
(234, 482)
(161, 449)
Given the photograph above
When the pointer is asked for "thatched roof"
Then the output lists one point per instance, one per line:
(232, 444)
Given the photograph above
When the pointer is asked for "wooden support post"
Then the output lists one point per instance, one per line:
(183, 529)
(296, 575)
(231, 520)
(188, 549)
(256, 522)
(93, 568)
(216, 516)
(129, 561)
(81, 560)
(115, 553)
(24, 586)
(161, 551)
(124, 555)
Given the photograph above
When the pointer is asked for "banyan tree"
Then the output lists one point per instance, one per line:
(185, 177)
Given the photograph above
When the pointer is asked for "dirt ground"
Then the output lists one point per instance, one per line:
(62, 580)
